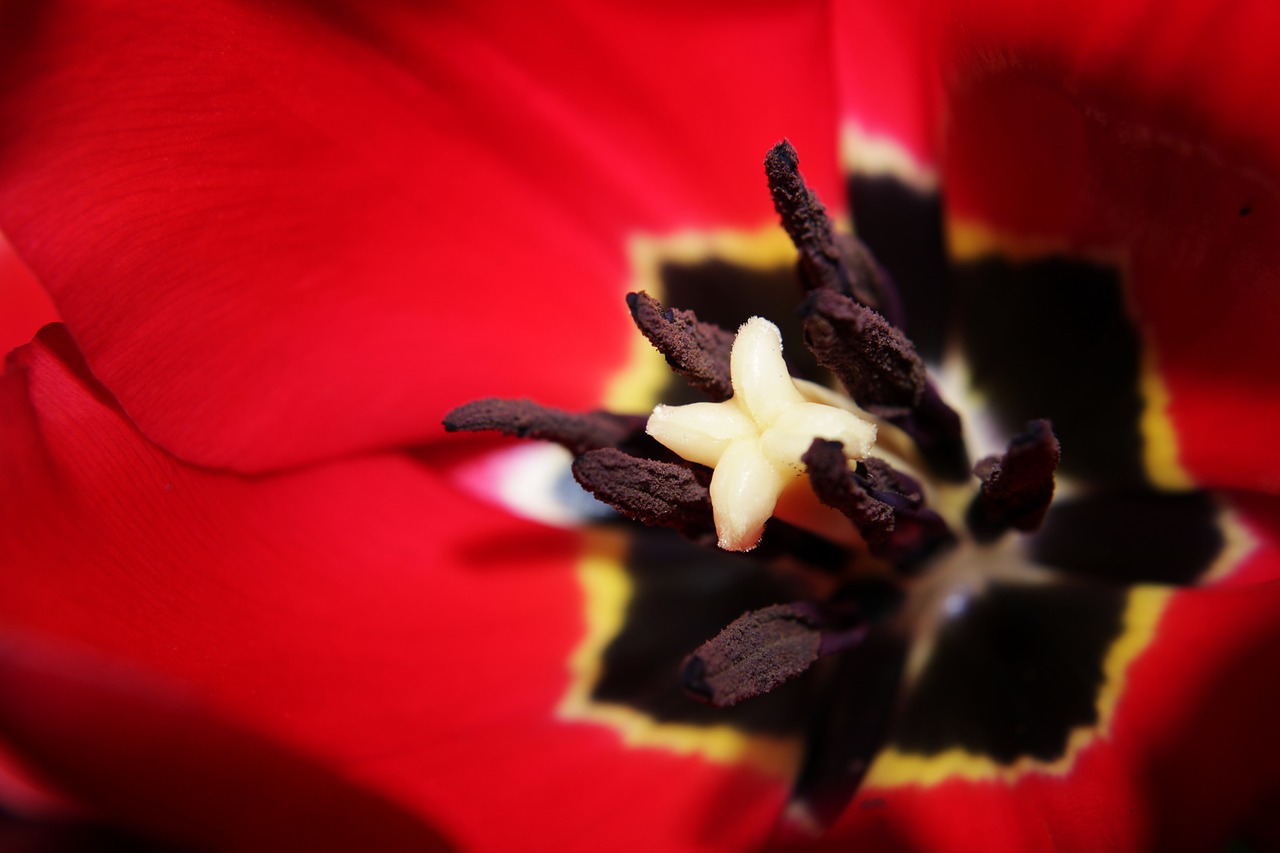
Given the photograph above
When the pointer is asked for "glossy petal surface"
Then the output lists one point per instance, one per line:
(359, 613)
(289, 231)
(24, 305)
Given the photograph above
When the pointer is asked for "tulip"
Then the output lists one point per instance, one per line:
(250, 598)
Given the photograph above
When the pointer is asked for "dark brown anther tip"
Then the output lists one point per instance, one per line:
(1017, 486)
(578, 432)
(888, 511)
(696, 350)
(782, 165)
(837, 487)
(661, 494)
(805, 220)
(828, 260)
(871, 357)
(878, 364)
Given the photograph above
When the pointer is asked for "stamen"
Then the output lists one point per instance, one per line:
(762, 649)
(828, 260)
(893, 382)
(837, 487)
(895, 524)
(697, 351)
(656, 493)
(577, 432)
(873, 359)
(1018, 486)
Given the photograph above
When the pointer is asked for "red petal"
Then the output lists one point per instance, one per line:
(23, 794)
(359, 612)
(153, 759)
(887, 74)
(1136, 132)
(24, 304)
(272, 229)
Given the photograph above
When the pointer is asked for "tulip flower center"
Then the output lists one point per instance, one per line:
(907, 564)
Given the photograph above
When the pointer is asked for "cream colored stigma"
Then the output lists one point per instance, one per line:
(754, 440)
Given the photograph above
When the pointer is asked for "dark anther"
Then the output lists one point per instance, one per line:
(871, 357)
(884, 375)
(656, 493)
(762, 649)
(1017, 487)
(883, 477)
(828, 260)
(885, 505)
(892, 380)
(697, 351)
(838, 487)
(578, 432)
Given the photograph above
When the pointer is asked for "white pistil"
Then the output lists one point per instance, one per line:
(755, 439)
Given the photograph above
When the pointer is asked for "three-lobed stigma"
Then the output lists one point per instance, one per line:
(756, 439)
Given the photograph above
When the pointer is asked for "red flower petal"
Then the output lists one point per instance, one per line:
(359, 612)
(282, 233)
(887, 73)
(24, 305)
(1135, 132)
(155, 760)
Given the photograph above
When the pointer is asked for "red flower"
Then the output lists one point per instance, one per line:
(284, 239)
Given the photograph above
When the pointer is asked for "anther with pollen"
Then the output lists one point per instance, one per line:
(664, 494)
(828, 260)
(696, 350)
(577, 432)
(761, 649)
(660, 494)
(854, 331)
(873, 358)
(1017, 486)
(886, 506)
